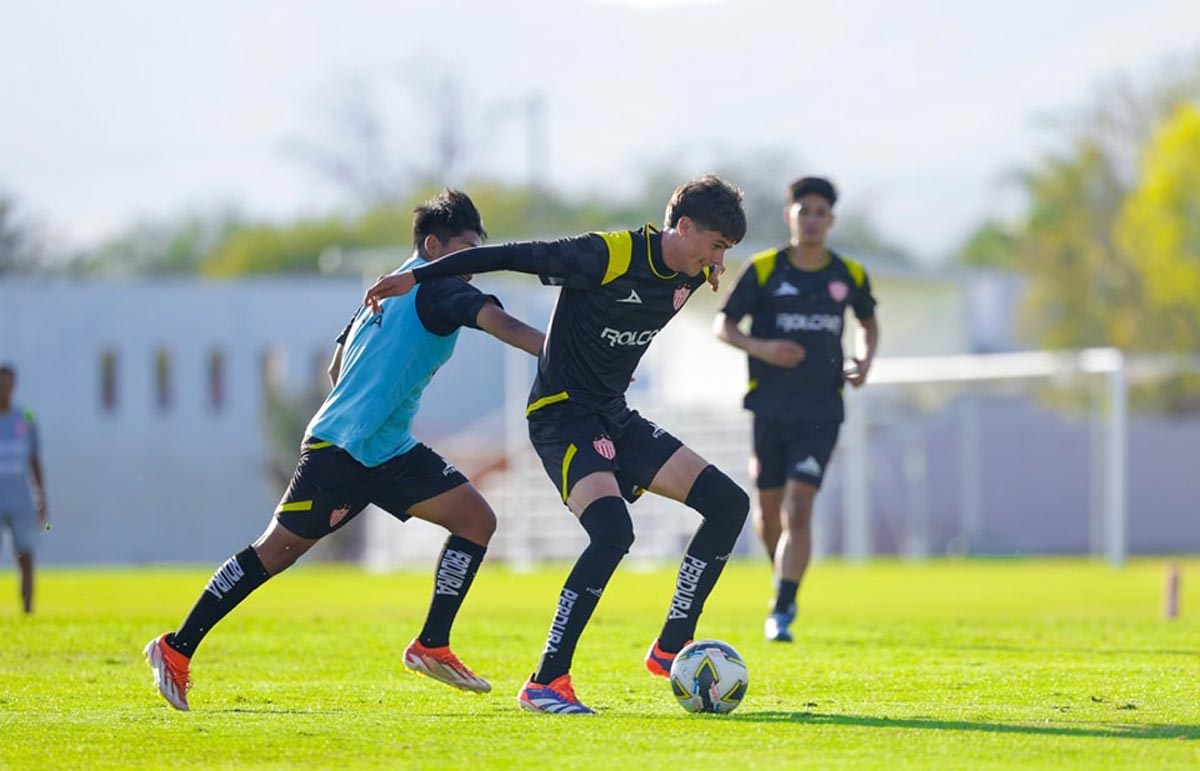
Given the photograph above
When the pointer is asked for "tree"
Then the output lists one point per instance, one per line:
(169, 246)
(1160, 224)
(1089, 281)
(20, 248)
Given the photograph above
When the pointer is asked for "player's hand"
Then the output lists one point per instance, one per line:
(388, 286)
(43, 515)
(856, 372)
(714, 275)
(781, 353)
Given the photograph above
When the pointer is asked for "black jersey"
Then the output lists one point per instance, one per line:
(617, 294)
(807, 307)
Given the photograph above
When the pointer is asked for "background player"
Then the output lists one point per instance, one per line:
(359, 449)
(796, 296)
(619, 290)
(22, 486)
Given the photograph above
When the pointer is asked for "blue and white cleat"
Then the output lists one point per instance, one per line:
(776, 628)
(556, 698)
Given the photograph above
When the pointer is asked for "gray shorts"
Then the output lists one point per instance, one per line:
(22, 524)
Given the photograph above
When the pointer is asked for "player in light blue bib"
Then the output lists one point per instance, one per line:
(22, 486)
(359, 449)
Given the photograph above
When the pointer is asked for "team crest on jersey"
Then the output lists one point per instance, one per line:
(681, 295)
(338, 514)
(838, 291)
(605, 447)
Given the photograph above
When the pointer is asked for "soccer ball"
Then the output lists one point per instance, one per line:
(709, 676)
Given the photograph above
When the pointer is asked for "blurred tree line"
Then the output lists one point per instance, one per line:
(1110, 234)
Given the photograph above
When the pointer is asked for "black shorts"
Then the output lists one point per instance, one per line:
(330, 487)
(792, 449)
(573, 441)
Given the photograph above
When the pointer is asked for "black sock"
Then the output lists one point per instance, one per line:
(724, 506)
(785, 595)
(456, 568)
(610, 528)
(241, 574)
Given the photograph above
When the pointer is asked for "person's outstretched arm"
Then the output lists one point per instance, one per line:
(581, 261)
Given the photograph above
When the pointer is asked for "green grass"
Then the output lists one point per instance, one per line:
(979, 665)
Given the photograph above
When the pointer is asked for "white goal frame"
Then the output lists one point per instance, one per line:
(1109, 521)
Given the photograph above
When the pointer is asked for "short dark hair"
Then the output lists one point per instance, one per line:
(445, 216)
(8, 369)
(813, 186)
(712, 203)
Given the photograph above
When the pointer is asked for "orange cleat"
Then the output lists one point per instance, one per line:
(442, 665)
(659, 661)
(170, 671)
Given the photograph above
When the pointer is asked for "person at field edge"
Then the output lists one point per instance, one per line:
(619, 290)
(359, 449)
(796, 296)
(22, 485)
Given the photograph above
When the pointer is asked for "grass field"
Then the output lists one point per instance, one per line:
(965, 665)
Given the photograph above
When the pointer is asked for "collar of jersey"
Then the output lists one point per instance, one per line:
(412, 263)
(783, 253)
(649, 230)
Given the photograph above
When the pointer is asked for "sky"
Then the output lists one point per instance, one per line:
(116, 112)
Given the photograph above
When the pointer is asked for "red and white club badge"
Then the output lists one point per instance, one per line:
(605, 447)
(838, 291)
(682, 293)
(338, 514)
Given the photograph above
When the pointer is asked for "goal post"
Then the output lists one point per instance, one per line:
(1108, 365)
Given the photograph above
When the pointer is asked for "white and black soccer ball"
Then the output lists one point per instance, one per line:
(709, 676)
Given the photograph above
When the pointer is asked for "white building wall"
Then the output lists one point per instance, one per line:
(139, 484)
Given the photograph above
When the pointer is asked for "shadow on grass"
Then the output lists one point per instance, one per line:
(1008, 648)
(273, 711)
(1102, 731)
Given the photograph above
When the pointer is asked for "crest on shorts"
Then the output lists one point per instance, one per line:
(838, 291)
(682, 293)
(605, 447)
(338, 514)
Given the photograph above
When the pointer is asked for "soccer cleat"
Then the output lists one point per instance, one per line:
(442, 665)
(791, 610)
(557, 698)
(170, 671)
(659, 661)
(776, 628)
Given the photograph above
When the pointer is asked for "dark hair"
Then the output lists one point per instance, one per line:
(712, 203)
(445, 216)
(813, 186)
(8, 369)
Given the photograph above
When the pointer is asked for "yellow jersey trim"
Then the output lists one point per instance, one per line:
(753, 385)
(566, 466)
(764, 265)
(545, 401)
(296, 506)
(620, 254)
(857, 272)
(318, 445)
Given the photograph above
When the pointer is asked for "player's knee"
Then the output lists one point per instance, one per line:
(608, 523)
(719, 499)
(478, 526)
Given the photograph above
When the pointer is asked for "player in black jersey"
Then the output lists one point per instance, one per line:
(618, 291)
(796, 297)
